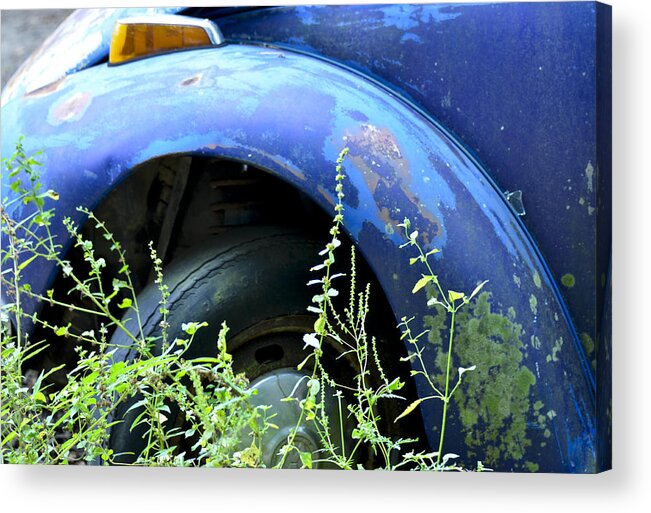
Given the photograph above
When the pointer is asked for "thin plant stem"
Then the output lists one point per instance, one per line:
(446, 399)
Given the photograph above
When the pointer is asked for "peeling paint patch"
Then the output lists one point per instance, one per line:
(536, 279)
(297, 173)
(589, 174)
(70, 109)
(375, 151)
(381, 142)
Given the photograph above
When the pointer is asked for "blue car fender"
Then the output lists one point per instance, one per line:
(531, 401)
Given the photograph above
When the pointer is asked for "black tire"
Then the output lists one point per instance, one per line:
(255, 280)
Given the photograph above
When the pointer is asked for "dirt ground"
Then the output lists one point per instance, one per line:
(22, 31)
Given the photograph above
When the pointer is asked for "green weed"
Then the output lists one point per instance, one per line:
(45, 423)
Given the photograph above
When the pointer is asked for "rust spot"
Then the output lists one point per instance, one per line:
(323, 192)
(191, 80)
(376, 152)
(385, 215)
(71, 109)
(381, 142)
(47, 89)
(298, 174)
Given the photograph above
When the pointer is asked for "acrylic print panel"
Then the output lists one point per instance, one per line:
(182, 190)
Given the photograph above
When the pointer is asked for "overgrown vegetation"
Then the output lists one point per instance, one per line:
(42, 423)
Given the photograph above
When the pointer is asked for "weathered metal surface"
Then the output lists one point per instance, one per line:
(517, 82)
(537, 90)
(82, 40)
(291, 115)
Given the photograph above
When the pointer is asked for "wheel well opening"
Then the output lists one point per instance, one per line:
(177, 202)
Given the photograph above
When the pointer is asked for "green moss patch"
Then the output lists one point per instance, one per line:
(493, 400)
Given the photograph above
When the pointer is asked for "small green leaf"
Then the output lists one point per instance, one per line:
(396, 384)
(306, 459)
(477, 289)
(192, 327)
(314, 386)
(27, 262)
(319, 325)
(302, 364)
(126, 303)
(454, 295)
(409, 409)
(421, 283)
(9, 438)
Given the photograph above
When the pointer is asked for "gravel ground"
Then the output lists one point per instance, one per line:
(22, 31)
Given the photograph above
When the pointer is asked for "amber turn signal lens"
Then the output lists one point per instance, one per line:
(137, 38)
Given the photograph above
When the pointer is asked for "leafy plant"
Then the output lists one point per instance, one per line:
(348, 329)
(45, 423)
(42, 423)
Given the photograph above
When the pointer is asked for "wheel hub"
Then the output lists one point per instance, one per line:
(272, 388)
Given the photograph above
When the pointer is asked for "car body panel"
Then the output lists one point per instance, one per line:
(82, 40)
(515, 82)
(246, 103)
(521, 97)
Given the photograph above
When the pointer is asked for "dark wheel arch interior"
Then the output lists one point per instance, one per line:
(217, 196)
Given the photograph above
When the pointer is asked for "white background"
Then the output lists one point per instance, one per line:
(626, 488)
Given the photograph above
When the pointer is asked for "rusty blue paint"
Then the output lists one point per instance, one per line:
(515, 82)
(258, 105)
(540, 82)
